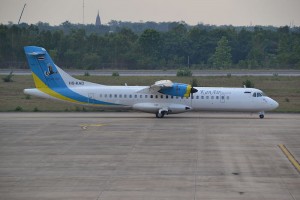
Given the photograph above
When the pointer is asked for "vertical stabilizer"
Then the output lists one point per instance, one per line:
(51, 81)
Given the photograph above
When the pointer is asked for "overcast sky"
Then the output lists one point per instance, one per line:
(218, 12)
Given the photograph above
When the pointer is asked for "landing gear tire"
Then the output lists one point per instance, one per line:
(261, 116)
(160, 114)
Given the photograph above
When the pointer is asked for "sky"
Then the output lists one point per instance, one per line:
(216, 12)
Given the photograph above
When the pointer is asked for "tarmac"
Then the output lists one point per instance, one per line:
(130, 156)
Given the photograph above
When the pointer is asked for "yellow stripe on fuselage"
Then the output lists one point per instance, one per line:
(40, 85)
(188, 91)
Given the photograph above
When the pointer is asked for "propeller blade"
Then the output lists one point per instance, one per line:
(194, 90)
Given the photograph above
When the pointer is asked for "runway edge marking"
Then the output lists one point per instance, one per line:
(290, 156)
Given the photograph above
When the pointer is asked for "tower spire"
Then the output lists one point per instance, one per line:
(98, 21)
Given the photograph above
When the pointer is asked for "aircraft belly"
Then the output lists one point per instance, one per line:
(226, 106)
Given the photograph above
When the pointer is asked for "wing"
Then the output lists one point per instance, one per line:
(167, 87)
(157, 86)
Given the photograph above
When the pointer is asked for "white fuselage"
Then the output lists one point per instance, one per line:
(207, 98)
(163, 97)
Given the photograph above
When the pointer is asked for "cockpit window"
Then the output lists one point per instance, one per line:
(258, 94)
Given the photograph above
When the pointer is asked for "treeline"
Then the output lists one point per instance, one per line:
(154, 46)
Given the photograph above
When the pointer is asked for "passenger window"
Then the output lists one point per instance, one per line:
(197, 97)
(227, 97)
(141, 96)
(100, 95)
(151, 96)
(156, 96)
(172, 97)
(120, 96)
(116, 96)
(212, 97)
(161, 96)
(202, 97)
(167, 96)
(135, 96)
(125, 96)
(110, 96)
(146, 96)
(130, 96)
(207, 97)
(105, 95)
(177, 97)
(217, 97)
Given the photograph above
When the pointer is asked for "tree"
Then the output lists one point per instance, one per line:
(222, 55)
(150, 42)
(153, 45)
(248, 84)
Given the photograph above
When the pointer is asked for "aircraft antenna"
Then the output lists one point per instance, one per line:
(21, 14)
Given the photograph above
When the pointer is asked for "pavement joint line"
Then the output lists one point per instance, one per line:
(290, 156)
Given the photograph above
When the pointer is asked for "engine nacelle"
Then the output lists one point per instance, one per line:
(178, 89)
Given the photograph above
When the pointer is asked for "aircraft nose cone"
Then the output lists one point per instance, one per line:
(271, 104)
(275, 104)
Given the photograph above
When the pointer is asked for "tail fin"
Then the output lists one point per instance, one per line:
(45, 73)
(53, 82)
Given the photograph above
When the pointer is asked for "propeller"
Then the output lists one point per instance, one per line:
(193, 85)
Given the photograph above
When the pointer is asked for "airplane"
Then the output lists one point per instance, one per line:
(162, 98)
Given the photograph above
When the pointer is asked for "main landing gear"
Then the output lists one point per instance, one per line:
(161, 113)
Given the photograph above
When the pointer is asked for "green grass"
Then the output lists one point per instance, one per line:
(284, 90)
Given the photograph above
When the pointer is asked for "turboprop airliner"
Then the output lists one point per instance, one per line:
(161, 98)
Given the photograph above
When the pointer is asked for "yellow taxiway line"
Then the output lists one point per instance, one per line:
(290, 156)
(85, 126)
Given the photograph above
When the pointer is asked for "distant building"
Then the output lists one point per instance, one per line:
(98, 21)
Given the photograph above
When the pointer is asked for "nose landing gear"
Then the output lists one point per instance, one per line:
(261, 115)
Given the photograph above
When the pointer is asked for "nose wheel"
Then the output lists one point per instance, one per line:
(261, 115)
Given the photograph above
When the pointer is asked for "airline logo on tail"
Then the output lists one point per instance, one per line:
(53, 81)
(50, 71)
